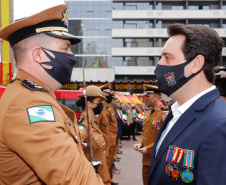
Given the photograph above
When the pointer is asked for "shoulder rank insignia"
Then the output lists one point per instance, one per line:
(32, 86)
(80, 120)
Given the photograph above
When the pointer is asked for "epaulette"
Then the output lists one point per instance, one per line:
(32, 86)
(164, 108)
(80, 120)
(12, 81)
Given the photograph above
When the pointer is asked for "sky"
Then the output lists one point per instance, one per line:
(25, 8)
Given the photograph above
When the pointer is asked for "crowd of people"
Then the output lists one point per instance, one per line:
(42, 142)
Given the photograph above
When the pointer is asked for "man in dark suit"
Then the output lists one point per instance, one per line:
(190, 145)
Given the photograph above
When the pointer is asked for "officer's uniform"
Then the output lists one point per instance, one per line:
(113, 129)
(98, 145)
(147, 137)
(151, 124)
(103, 123)
(39, 138)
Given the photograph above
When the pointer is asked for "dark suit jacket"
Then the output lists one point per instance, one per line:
(201, 128)
(120, 124)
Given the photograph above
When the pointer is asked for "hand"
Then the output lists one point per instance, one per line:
(137, 146)
(128, 124)
(164, 114)
(143, 150)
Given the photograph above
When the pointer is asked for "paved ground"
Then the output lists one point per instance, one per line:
(130, 165)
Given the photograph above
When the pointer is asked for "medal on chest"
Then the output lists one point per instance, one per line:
(187, 176)
(169, 159)
(174, 156)
(155, 125)
(177, 156)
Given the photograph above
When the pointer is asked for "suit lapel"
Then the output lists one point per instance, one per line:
(186, 118)
(165, 122)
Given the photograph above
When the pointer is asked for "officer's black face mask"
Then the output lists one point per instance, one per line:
(98, 109)
(62, 66)
(109, 98)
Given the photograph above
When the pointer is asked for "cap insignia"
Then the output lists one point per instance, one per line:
(65, 17)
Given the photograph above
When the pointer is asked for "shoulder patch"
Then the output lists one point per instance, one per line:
(32, 86)
(80, 120)
(42, 113)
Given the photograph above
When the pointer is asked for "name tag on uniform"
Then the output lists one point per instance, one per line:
(42, 113)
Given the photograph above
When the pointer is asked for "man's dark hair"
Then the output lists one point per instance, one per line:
(200, 40)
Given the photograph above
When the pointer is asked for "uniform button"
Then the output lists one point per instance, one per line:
(145, 138)
(100, 135)
(103, 143)
(146, 131)
(95, 139)
(104, 152)
(76, 137)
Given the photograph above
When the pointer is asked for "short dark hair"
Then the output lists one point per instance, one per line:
(200, 40)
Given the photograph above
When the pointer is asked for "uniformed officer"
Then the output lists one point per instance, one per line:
(95, 107)
(151, 124)
(113, 126)
(103, 122)
(39, 137)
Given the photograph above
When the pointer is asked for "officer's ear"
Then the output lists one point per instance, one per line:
(89, 104)
(36, 54)
(40, 56)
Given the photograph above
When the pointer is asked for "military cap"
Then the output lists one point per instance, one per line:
(106, 88)
(150, 89)
(92, 91)
(52, 22)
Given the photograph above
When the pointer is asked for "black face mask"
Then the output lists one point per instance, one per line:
(62, 66)
(109, 98)
(171, 78)
(98, 108)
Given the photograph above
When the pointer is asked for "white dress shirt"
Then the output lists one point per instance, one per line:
(177, 111)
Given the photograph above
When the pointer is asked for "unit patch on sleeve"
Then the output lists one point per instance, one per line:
(42, 113)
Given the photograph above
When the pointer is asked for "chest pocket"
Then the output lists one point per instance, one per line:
(97, 140)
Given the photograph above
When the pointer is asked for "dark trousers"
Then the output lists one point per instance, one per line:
(131, 130)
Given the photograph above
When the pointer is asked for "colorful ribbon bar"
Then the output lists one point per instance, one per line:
(188, 159)
(170, 154)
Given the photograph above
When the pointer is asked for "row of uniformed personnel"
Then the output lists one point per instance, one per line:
(103, 128)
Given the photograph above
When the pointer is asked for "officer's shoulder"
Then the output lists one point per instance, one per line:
(148, 110)
(32, 86)
(80, 120)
